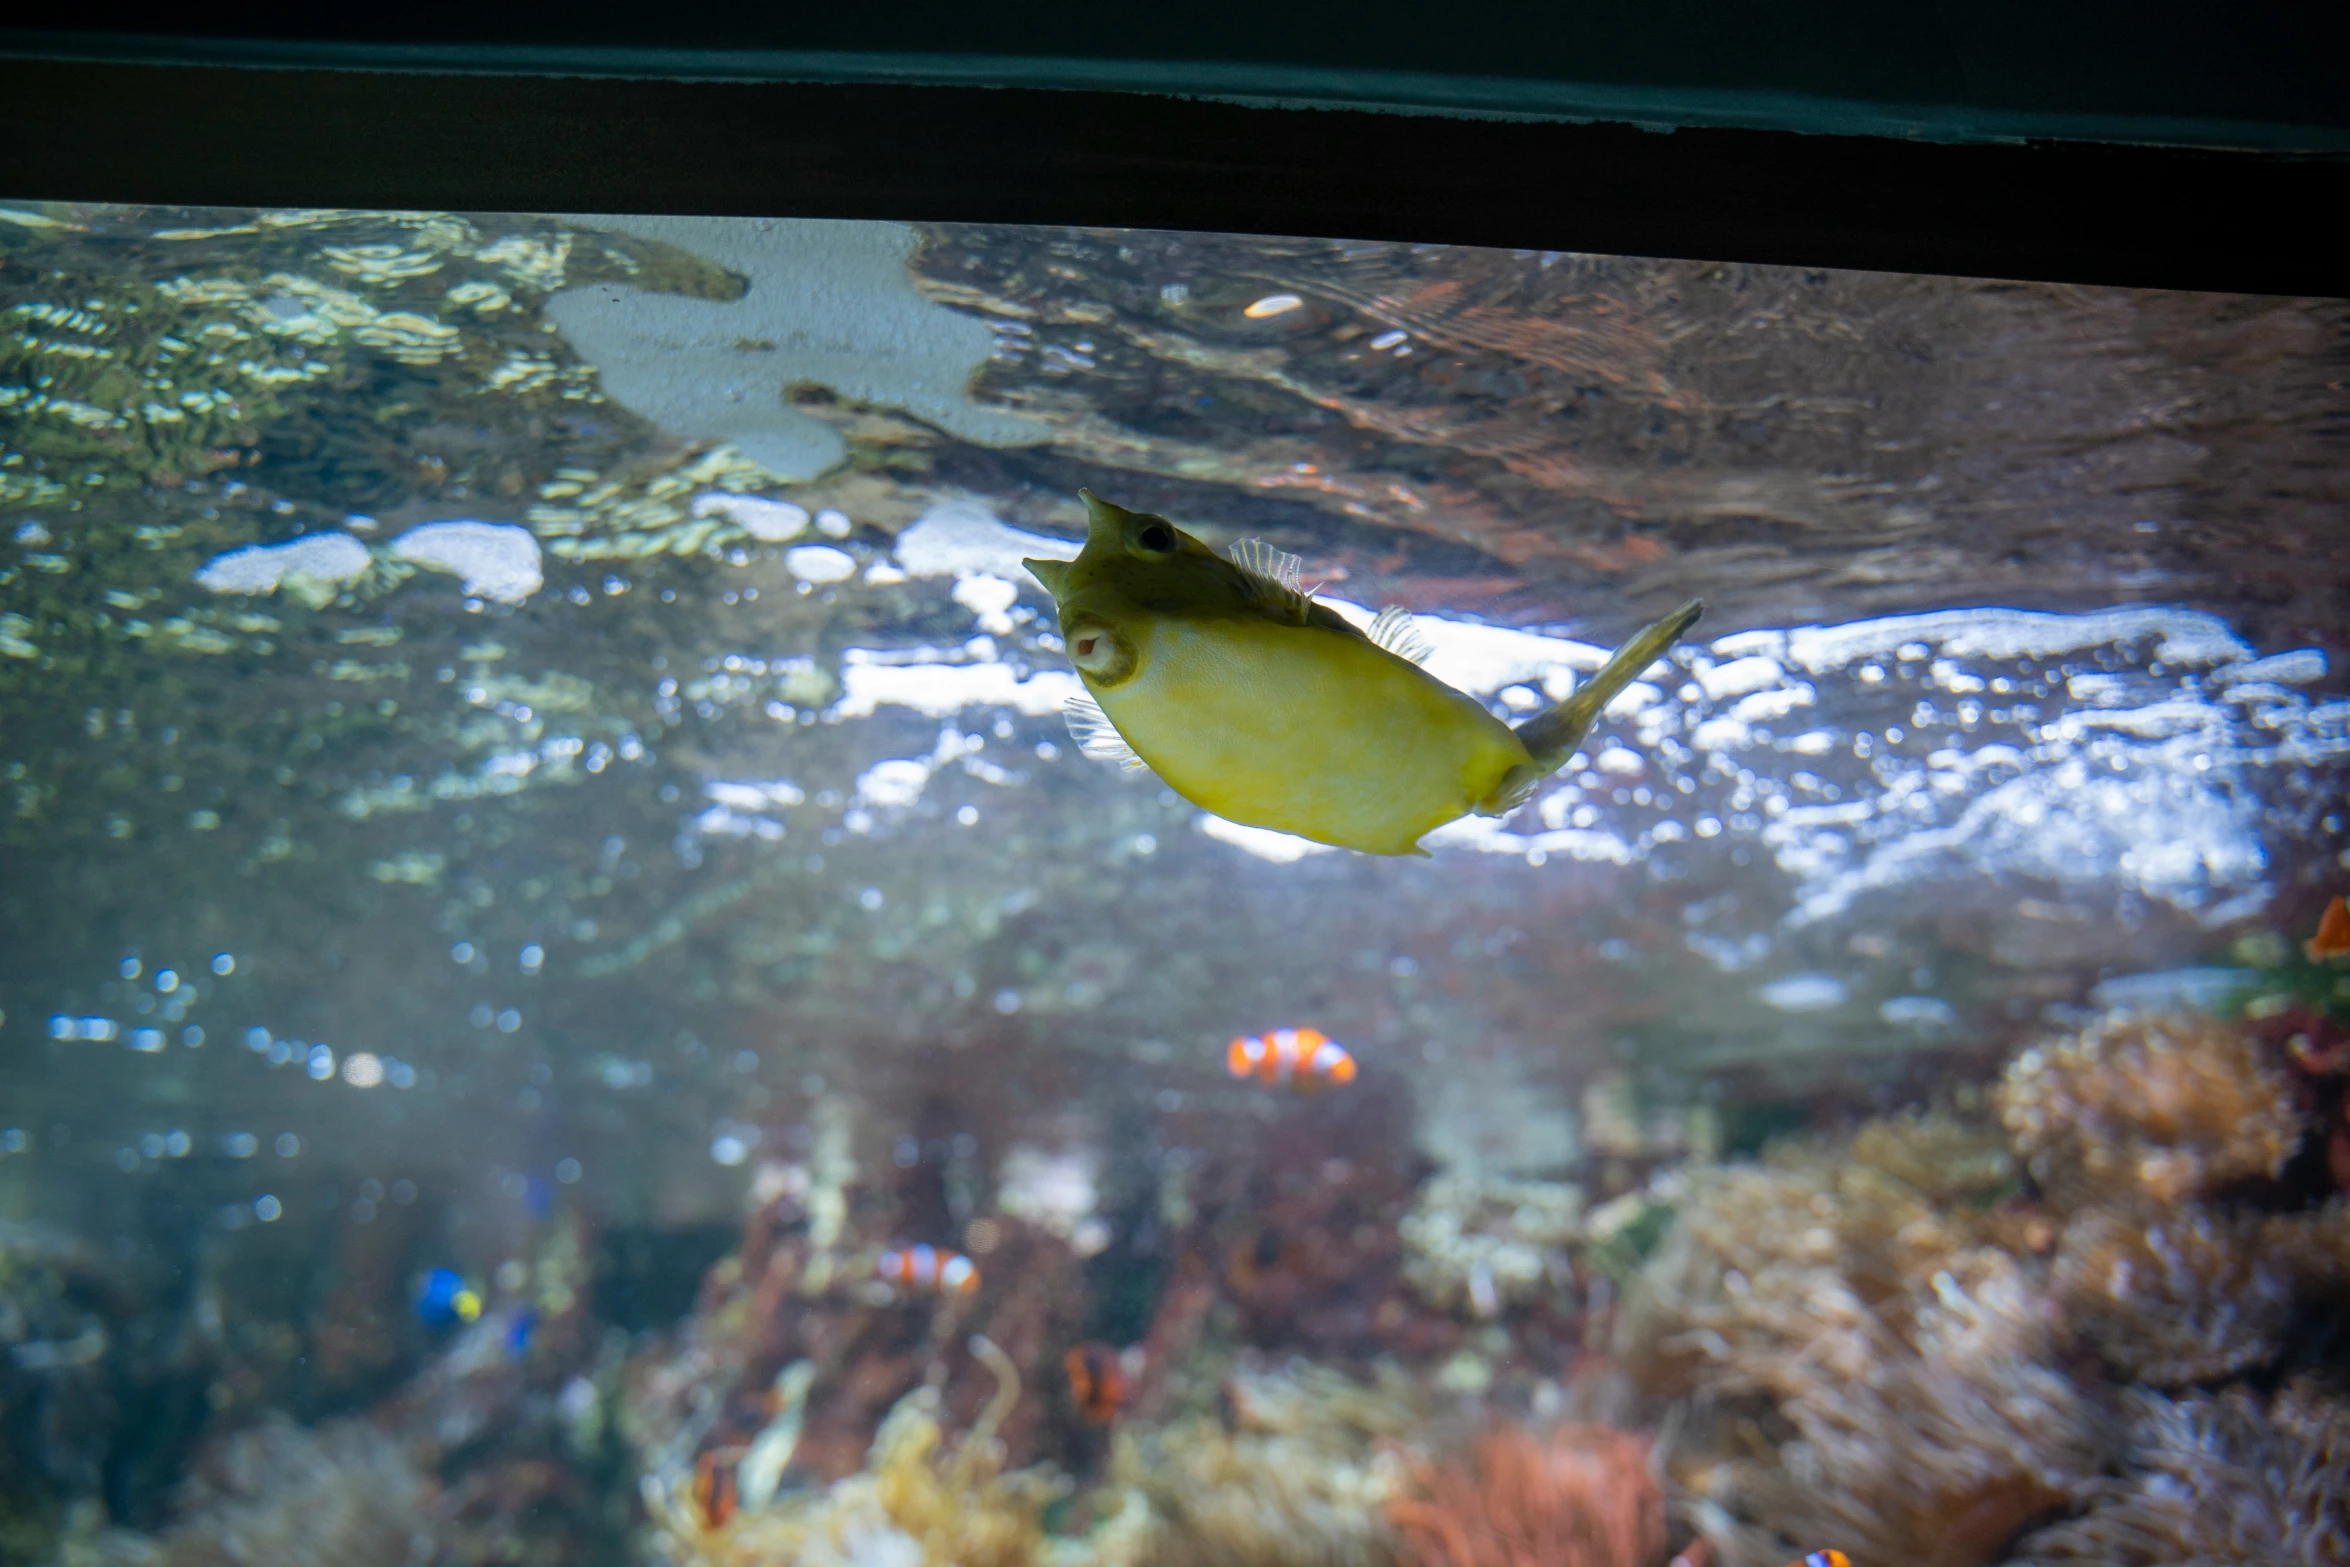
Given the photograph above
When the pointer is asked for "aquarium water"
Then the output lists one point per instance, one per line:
(568, 994)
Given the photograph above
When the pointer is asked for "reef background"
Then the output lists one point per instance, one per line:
(521, 752)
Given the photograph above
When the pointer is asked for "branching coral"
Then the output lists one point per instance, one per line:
(2218, 1479)
(1580, 1497)
(1486, 1244)
(281, 1496)
(1881, 1378)
(2159, 1107)
(2184, 1296)
(1300, 1483)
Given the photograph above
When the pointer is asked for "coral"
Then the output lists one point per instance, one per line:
(1620, 1122)
(2324, 1261)
(276, 1495)
(804, 1287)
(515, 1415)
(918, 1503)
(104, 1376)
(57, 1411)
(2215, 1479)
(1580, 1497)
(1304, 1218)
(1319, 1406)
(1871, 1372)
(1054, 1190)
(1487, 1244)
(1300, 1480)
(2188, 1295)
(2161, 1107)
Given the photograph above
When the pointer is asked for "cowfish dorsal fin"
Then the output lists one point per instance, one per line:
(1396, 631)
(1277, 576)
(1097, 738)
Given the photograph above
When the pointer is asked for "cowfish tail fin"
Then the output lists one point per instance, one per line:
(1097, 738)
(1551, 736)
(1516, 787)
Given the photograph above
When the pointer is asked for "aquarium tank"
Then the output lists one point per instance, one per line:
(571, 994)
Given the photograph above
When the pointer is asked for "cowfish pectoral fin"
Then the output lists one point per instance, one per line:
(1550, 737)
(1054, 574)
(1097, 738)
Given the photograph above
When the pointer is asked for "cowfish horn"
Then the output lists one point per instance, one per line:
(1105, 521)
(1054, 574)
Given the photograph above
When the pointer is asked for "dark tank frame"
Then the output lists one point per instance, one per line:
(2092, 141)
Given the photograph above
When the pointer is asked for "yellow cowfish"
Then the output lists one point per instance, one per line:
(1256, 703)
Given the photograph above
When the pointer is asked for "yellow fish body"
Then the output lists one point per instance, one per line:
(1256, 703)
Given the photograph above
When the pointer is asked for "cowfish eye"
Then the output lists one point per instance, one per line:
(1155, 537)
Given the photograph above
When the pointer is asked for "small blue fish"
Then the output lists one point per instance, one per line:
(519, 1331)
(445, 1300)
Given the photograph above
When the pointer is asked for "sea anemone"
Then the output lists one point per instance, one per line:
(1937, 1155)
(1931, 1447)
(1868, 1371)
(2214, 1479)
(1299, 1479)
(1809, 1222)
(1582, 1496)
(920, 1501)
(1487, 1244)
(2181, 1296)
(2159, 1108)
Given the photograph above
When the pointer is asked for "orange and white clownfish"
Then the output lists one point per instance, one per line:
(714, 1485)
(1305, 1057)
(929, 1268)
(1824, 1559)
(2333, 932)
(1097, 1381)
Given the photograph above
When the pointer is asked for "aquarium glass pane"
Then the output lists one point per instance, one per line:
(628, 935)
